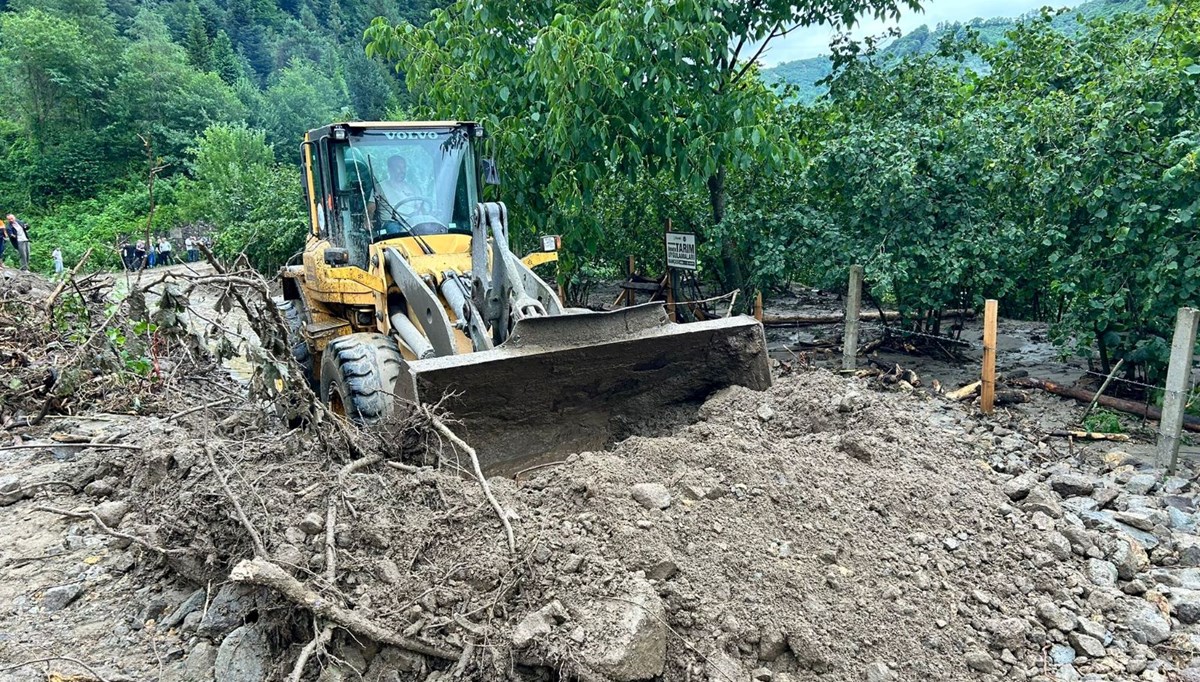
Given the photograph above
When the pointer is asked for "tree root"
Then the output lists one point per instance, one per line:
(461, 444)
(259, 549)
(266, 574)
(318, 643)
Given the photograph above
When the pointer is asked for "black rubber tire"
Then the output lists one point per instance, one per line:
(293, 314)
(358, 376)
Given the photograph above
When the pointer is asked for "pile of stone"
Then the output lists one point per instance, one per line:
(1133, 610)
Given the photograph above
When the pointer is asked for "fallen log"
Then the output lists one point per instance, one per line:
(1010, 397)
(968, 391)
(1090, 435)
(1190, 423)
(838, 318)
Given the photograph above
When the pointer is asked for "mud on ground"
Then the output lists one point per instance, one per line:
(820, 530)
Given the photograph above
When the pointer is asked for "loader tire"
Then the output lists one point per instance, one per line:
(293, 316)
(358, 376)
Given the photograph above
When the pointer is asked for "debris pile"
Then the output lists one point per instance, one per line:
(819, 530)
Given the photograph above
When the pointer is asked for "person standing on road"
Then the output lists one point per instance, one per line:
(164, 251)
(190, 247)
(140, 252)
(19, 232)
(58, 263)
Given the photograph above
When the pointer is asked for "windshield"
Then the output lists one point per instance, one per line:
(394, 183)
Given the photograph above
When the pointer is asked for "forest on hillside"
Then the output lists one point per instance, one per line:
(1061, 179)
(805, 77)
(102, 93)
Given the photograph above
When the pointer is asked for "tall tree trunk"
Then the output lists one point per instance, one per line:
(716, 199)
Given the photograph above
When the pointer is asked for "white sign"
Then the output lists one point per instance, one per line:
(550, 243)
(681, 250)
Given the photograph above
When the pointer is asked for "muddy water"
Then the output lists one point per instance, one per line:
(1020, 345)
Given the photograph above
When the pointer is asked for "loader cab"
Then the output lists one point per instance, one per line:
(370, 182)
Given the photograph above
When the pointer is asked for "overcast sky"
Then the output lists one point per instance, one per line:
(813, 41)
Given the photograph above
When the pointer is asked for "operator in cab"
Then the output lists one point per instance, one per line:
(400, 206)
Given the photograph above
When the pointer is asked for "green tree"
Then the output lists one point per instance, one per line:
(588, 89)
(301, 98)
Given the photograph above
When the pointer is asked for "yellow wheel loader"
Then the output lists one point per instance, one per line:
(408, 291)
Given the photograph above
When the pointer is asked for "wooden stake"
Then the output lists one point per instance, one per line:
(1179, 373)
(987, 384)
(671, 314)
(853, 308)
(758, 308)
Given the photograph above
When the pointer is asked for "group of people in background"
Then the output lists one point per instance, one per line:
(140, 255)
(15, 232)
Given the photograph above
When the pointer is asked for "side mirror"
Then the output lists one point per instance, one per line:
(335, 257)
(491, 174)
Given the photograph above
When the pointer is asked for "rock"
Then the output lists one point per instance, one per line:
(99, 488)
(1138, 518)
(192, 603)
(538, 624)
(1009, 634)
(771, 646)
(980, 661)
(11, 491)
(1092, 628)
(764, 412)
(627, 639)
(762, 675)
(1062, 655)
(229, 609)
(1181, 520)
(201, 662)
(851, 402)
(244, 656)
(312, 523)
(1173, 485)
(1055, 618)
(1058, 546)
(1101, 573)
(1087, 645)
(1042, 498)
(58, 598)
(651, 495)
(1185, 605)
(809, 652)
(1146, 624)
(1108, 520)
(664, 569)
(394, 664)
(1018, 488)
(1072, 484)
(722, 667)
(1105, 496)
(1129, 557)
(857, 447)
(111, 513)
(879, 672)
(1068, 673)
(1140, 484)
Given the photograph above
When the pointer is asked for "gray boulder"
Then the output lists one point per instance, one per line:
(58, 598)
(1146, 624)
(626, 639)
(1072, 484)
(244, 656)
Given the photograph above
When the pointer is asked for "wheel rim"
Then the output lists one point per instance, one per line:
(336, 404)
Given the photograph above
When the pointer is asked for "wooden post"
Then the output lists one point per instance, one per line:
(1175, 396)
(671, 313)
(758, 313)
(630, 296)
(853, 307)
(987, 385)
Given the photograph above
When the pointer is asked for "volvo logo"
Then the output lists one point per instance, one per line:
(411, 135)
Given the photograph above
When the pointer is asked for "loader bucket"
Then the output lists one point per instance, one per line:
(565, 383)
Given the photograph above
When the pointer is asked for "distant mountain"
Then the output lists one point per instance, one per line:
(805, 73)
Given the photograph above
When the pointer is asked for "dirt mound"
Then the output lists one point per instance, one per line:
(818, 530)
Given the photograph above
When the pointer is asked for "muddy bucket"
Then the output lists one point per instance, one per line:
(565, 383)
